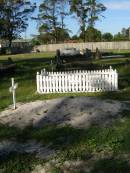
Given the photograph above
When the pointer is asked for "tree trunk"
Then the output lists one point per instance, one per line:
(10, 44)
(8, 51)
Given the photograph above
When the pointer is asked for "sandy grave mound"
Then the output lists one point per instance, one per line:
(75, 111)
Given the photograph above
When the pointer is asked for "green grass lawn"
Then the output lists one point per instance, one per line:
(25, 74)
(29, 64)
(73, 144)
(26, 56)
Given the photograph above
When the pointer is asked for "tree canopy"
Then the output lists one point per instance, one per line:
(107, 36)
(52, 14)
(14, 18)
(88, 12)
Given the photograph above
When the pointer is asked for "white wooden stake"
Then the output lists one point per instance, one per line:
(12, 90)
(14, 96)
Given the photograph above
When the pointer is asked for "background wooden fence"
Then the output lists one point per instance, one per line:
(77, 81)
(103, 46)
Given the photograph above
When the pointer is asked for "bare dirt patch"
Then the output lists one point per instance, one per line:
(74, 111)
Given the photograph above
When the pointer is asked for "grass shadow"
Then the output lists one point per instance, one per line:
(111, 166)
(18, 163)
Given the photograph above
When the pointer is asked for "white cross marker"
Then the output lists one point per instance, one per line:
(12, 90)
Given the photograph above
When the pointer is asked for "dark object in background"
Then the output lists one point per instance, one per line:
(7, 66)
(72, 59)
(10, 60)
(72, 55)
(88, 53)
(70, 52)
(2, 51)
(37, 51)
(98, 54)
(57, 57)
(15, 50)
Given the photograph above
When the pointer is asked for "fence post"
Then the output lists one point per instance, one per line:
(116, 80)
(38, 82)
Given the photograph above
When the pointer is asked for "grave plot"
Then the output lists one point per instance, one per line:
(77, 81)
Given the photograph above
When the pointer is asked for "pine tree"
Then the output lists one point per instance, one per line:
(80, 8)
(94, 11)
(87, 12)
(49, 19)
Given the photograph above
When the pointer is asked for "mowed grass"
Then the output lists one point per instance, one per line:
(28, 56)
(25, 75)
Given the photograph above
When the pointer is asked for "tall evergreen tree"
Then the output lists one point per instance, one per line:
(49, 19)
(88, 12)
(52, 14)
(63, 11)
(80, 8)
(14, 18)
(94, 11)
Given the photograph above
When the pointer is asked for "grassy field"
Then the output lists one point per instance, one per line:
(72, 144)
(25, 74)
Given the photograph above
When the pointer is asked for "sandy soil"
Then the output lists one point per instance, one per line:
(75, 111)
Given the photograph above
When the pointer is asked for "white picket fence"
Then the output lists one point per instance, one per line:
(77, 81)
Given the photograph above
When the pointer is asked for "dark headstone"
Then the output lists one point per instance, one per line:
(98, 54)
(58, 60)
(10, 60)
(88, 53)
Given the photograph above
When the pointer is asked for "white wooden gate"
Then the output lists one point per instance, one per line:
(77, 81)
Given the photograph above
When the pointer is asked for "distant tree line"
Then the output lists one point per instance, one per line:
(14, 15)
(91, 35)
(52, 15)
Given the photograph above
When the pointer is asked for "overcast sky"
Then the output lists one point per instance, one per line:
(115, 18)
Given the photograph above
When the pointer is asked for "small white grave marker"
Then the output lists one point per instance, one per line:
(12, 90)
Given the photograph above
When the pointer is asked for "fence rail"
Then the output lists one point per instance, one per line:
(77, 81)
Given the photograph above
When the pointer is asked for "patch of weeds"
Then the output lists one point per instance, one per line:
(16, 163)
(124, 83)
(73, 143)
(125, 113)
(77, 152)
(24, 134)
(111, 166)
(7, 132)
(76, 171)
(56, 170)
(59, 137)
